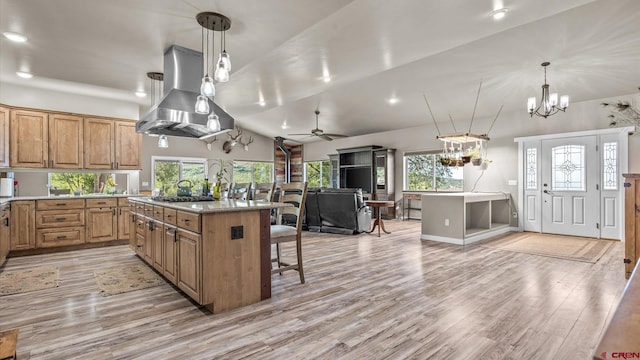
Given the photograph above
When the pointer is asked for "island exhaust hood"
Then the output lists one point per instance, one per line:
(175, 114)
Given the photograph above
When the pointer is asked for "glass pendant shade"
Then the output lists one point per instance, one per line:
(163, 142)
(213, 122)
(207, 88)
(531, 104)
(202, 105)
(226, 60)
(564, 101)
(221, 74)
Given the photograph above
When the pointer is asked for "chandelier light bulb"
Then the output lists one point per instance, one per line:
(221, 74)
(564, 101)
(531, 105)
(226, 60)
(202, 105)
(207, 88)
(553, 99)
(213, 122)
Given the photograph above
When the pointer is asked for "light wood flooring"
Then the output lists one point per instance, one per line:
(366, 297)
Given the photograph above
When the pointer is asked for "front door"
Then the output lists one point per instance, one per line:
(570, 189)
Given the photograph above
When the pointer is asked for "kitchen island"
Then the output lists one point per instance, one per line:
(216, 252)
(465, 217)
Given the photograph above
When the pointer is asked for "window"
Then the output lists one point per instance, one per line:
(532, 168)
(318, 173)
(610, 166)
(168, 171)
(252, 171)
(423, 171)
(86, 183)
(568, 168)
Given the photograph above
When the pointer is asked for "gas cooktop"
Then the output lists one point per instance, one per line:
(182, 198)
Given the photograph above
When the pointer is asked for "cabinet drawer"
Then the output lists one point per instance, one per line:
(102, 202)
(123, 201)
(59, 218)
(189, 221)
(138, 208)
(148, 210)
(60, 204)
(158, 213)
(59, 237)
(170, 216)
(141, 223)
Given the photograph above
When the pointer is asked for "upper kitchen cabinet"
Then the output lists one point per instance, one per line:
(65, 141)
(29, 139)
(98, 144)
(4, 137)
(128, 144)
(111, 144)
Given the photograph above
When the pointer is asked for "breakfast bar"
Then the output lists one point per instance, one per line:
(217, 252)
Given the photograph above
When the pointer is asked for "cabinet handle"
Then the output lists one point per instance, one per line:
(112, 164)
(169, 215)
(44, 163)
(61, 237)
(114, 212)
(101, 202)
(185, 220)
(61, 204)
(6, 221)
(61, 219)
(117, 164)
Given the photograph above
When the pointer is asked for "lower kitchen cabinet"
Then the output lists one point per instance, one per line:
(124, 222)
(56, 237)
(189, 272)
(157, 236)
(23, 225)
(102, 224)
(170, 252)
(5, 213)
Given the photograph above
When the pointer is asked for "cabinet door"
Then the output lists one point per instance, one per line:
(98, 143)
(4, 232)
(128, 146)
(28, 143)
(65, 141)
(158, 243)
(101, 224)
(189, 271)
(4, 137)
(148, 241)
(139, 247)
(124, 223)
(170, 253)
(23, 225)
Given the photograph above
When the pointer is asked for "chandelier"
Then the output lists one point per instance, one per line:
(549, 102)
(211, 21)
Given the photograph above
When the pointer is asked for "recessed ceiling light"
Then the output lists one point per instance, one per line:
(499, 13)
(326, 79)
(284, 125)
(24, 74)
(141, 94)
(15, 37)
(262, 103)
(393, 100)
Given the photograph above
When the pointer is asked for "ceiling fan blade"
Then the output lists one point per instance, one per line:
(324, 137)
(299, 134)
(337, 135)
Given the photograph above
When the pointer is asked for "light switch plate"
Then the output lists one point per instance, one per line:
(513, 182)
(145, 183)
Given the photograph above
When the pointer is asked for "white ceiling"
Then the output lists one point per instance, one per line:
(372, 49)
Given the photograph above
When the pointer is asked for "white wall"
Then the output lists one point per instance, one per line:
(502, 150)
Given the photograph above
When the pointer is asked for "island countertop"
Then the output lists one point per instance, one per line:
(215, 206)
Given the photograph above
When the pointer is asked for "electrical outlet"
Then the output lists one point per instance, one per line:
(446, 222)
(514, 215)
(237, 232)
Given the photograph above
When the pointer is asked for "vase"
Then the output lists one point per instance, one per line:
(476, 161)
(216, 191)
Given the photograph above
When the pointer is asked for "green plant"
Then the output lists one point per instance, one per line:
(223, 170)
(474, 152)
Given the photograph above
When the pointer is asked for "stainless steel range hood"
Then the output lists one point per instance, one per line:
(175, 115)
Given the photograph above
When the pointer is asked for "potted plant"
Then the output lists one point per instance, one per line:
(220, 176)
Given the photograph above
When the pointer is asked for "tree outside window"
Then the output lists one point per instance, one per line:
(83, 183)
(424, 172)
(252, 171)
(318, 173)
(168, 171)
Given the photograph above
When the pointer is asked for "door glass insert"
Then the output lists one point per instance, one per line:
(532, 168)
(568, 168)
(610, 166)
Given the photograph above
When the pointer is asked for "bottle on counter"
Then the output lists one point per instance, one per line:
(206, 187)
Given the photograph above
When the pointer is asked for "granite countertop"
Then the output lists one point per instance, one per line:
(4, 200)
(205, 207)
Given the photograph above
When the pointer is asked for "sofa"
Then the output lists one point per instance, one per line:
(338, 211)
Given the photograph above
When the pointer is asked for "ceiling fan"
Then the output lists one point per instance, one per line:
(320, 133)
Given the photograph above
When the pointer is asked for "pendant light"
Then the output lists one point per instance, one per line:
(222, 67)
(202, 105)
(210, 21)
(207, 88)
(163, 141)
(549, 102)
(213, 122)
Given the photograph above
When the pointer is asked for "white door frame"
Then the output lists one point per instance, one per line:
(623, 154)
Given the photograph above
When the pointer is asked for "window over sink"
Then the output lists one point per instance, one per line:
(167, 171)
(86, 183)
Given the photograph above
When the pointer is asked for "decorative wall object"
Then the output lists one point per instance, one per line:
(623, 113)
(234, 140)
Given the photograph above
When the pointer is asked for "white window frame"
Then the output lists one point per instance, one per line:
(304, 170)
(405, 175)
(180, 160)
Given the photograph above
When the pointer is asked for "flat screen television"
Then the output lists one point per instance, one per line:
(357, 177)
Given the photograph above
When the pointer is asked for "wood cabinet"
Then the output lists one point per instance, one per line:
(632, 222)
(128, 146)
(170, 253)
(59, 222)
(4, 137)
(102, 224)
(65, 141)
(110, 144)
(23, 225)
(98, 144)
(124, 223)
(157, 241)
(189, 272)
(29, 139)
(5, 216)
